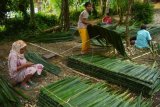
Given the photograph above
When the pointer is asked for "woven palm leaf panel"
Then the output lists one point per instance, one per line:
(139, 78)
(37, 59)
(103, 35)
(77, 92)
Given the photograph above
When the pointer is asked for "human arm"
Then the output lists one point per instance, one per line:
(84, 18)
(28, 64)
(85, 21)
(149, 42)
(149, 38)
(13, 63)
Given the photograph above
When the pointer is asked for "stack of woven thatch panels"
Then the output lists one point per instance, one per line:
(140, 78)
(77, 92)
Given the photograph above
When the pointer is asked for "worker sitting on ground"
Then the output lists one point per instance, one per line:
(20, 70)
(82, 27)
(143, 38)
(107, 19)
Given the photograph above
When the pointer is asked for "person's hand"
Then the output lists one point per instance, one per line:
(94, 22)
(28, 64)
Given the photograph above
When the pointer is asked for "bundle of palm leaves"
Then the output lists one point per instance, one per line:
(103, 35)
(77, 92)
(96, 43)
(36, 58)
(139, 78)
(9, 97)
(154, 30)
(49, 37)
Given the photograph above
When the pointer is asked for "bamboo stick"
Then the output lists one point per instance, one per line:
(46, 49)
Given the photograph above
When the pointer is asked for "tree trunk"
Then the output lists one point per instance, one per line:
(127, 23)
(39, 5)
(104, 7)
(64, 16)
(32, 15)
(61, 17)
(107, 6)
(101, 6)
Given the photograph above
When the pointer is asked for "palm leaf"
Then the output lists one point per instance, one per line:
(86, 94)
(128, 74)
(107, 36)
(9, 97)
(36, 58)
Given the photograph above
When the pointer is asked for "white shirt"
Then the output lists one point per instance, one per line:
(85, 15)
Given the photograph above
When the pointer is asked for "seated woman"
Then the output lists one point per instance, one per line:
(107, 19)
(20, 70)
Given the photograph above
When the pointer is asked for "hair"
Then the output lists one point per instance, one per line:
(86, 4)
(143, 27)
(108, 14)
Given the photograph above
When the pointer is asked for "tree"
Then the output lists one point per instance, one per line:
(127, 22)
(123, 8)
(103, 6)
(120, 6)
(64, 16)
(32, 15)
(3, 9)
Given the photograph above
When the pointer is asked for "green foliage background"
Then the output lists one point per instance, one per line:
(143, 12)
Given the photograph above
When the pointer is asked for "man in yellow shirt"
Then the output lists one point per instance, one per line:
(82, 27)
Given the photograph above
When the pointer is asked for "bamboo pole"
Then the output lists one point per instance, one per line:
(46, 49)
(141, 55)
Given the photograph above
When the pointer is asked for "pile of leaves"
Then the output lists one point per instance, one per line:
(139, 78)
(9, 97)
(103, 35)
(48, 37)
(37, 59)
(77, 92)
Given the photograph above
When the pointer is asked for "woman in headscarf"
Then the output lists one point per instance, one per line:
(20, 70)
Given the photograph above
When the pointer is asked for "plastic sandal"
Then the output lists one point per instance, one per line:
(25, 87)
(31, 83)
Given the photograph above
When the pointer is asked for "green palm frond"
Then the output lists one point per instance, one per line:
(109, 36)
(9, 97)
(130, 75)
(36, 58)
(49, 37)
(76, 92)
